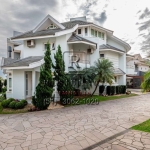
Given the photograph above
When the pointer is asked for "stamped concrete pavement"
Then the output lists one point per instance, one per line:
(72, 128)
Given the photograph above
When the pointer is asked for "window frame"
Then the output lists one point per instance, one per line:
(9, 80)
(78, 31)
(103, 55)
(86, 31)
(52, 46)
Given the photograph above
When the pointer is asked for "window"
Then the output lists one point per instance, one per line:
(95, 33)
(101, 55)
(86, 33)
(99, 34)
(26, 84)
(115, 79)
(9, 82)
(92, 32)
(79, 31)
(52, 26)
(103, 36)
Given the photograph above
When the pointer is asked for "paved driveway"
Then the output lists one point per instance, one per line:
(72, 128)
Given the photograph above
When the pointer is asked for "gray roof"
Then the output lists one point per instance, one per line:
(21, 62)
(75, 38)
(107, 46)
(67, 25)
(71, 24)
(38, 33)
(118, 71)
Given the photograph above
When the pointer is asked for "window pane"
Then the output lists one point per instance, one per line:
(10, 82)
(79, 31)
(95, 33)
(102, 55)
(85, 31)
(99, 34)
(103, 36)
(92, 32)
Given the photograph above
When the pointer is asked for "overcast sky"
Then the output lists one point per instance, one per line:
(129, 19)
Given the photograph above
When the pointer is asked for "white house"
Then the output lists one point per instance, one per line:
(136, 67)
(79, 39)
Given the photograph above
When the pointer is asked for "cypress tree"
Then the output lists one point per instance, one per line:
(64, 86)
(44, 89)
(1, 85)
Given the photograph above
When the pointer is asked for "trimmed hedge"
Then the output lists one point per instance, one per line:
(14, 104)
(101, 89)
(19, 105)
(120, 89)
(6, 103)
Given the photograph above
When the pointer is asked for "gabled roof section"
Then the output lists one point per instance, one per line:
(44, 23)
(107, 46)
(138, 56)
(21, 62)
(75, 38)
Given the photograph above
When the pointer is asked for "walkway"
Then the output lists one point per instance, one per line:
(73, 128)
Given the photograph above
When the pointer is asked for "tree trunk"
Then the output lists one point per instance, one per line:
(95, 88)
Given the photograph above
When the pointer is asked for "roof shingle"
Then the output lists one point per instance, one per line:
(21, 62)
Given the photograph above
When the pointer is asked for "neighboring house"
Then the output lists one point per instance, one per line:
(82, 43)
(136, 67)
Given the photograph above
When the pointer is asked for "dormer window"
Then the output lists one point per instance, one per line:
(52, 26)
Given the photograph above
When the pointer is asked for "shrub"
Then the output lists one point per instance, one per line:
(6, 103)
(24, 101)
(4, 89)
(117, 89)
(101, 89)
(108, 90)
(4, 94)
(11, 99)
(13, 104)
(124, 89)
(112, 90)
(2, 97)
(19, 105)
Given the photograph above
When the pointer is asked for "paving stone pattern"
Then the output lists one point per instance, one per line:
(74, 128)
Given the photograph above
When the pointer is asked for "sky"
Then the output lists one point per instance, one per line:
(129, 19)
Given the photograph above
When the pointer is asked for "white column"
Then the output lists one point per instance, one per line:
(33, 81)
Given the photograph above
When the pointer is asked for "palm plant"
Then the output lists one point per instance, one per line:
(146, 83)
(104, 72)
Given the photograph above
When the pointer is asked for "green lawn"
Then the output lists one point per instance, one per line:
(11, 111)
(96, 99)
(145, 126)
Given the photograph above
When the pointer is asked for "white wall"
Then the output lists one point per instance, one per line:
(18, 85)
(114, 43)
(113, 57)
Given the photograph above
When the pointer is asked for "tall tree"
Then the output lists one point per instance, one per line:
(44, 89)
(1, 85)
(104, 72)
(63, 81)
(146, 83)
